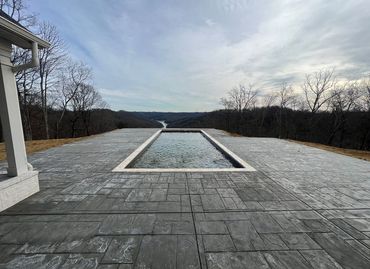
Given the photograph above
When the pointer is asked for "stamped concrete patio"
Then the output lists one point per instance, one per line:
(303, 208)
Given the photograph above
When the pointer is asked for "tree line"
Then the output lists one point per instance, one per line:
(58, 98)
(323, 110)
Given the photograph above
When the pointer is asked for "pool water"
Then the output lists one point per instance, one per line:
(182, 150)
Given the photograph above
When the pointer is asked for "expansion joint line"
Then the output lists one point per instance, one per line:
(195, 229)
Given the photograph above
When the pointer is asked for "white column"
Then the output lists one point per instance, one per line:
(10, 115)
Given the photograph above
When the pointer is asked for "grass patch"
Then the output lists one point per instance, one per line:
(40, 145)
(359, 154)
(233, 134)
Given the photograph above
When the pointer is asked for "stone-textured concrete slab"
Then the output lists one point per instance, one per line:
(302, 208)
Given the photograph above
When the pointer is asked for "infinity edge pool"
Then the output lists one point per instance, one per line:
(125, 165)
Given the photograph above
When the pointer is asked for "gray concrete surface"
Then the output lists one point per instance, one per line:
(303, 208)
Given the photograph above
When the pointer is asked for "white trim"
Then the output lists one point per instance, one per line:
(123, 166)
(20, 36)
(15, 189)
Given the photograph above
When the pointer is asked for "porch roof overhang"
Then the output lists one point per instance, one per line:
(18, 35)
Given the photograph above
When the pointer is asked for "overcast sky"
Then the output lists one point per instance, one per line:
(183, 55)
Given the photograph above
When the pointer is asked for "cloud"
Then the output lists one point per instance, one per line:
(185, 55)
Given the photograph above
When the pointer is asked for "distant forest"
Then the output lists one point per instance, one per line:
(92, 122)
(327, 111)
(292, 124)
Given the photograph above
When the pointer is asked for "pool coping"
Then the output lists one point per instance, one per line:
(123, 166)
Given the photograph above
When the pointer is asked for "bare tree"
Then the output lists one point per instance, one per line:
(268, 100)
(365, 93)
(344, 99)
(227, 104)
(72, 77)
(317, 89)
(17, 10)
(285, 98)
(84, 101)
(365, 106)
(285, 95)
(298, 103)
(50, 60)
(28, 97)
(241, 98)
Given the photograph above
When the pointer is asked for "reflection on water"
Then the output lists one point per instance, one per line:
(182, 150)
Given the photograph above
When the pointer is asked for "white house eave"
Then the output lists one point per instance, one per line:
(20, 36)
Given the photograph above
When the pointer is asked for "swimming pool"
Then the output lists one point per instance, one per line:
(182, 150)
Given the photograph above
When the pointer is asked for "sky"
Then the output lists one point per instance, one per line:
(184, 55)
